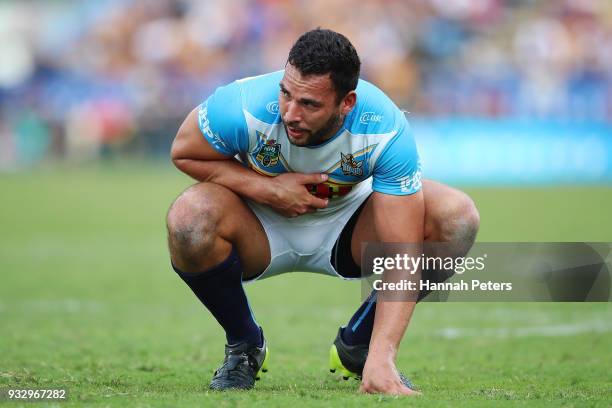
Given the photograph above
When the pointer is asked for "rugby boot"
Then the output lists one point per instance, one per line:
(350, 360)
(243, 364)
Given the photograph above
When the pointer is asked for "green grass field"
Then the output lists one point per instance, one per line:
(88, 302)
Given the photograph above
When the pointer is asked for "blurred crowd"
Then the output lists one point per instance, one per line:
(80, 79)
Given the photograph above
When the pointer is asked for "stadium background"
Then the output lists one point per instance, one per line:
(510, 100)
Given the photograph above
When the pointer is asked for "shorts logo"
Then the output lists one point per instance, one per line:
(268, 153)
(272, 107)
(369, 117)
(350, 166)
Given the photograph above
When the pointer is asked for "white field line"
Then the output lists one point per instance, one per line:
(55, 306)
(595, 326)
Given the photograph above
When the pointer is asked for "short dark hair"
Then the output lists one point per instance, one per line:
(321, 51)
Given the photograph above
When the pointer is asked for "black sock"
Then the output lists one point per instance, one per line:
(359, 328)
(220, 290)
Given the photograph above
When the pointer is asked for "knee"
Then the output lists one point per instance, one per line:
(192, 221)
(456, 220)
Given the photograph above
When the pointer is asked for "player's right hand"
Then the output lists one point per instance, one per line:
(382, 377)
(290, 197)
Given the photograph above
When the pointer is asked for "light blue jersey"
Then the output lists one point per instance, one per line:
(375, 140)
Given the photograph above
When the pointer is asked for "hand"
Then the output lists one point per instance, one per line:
(289, 196)
(381, 377)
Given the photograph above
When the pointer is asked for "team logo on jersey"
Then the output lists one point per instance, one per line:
(350, 166)
(268, 153)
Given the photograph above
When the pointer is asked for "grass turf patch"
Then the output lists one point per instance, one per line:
(88, 302)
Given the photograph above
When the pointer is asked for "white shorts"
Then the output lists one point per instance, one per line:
(305, 243)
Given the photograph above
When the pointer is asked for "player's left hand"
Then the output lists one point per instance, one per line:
(380, 376)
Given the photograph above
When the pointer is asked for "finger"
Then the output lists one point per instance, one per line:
(403, 390)
(315, 178)
(398, 390)
(288, 213)
(316, 202)
(303, 210)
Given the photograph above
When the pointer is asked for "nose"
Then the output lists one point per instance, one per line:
(293, 113)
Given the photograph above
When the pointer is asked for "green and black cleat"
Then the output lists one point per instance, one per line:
(243, 364)
(349, 360)
(346, 359)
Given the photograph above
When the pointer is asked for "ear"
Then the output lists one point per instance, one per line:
(348, 102)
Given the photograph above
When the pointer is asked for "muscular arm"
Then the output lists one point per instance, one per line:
(396, 219)
(193, 155)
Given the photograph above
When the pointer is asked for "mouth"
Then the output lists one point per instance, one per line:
(295, 132)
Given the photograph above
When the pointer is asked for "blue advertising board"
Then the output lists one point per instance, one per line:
(487, 152)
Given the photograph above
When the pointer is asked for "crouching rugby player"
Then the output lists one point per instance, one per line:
(295, 169)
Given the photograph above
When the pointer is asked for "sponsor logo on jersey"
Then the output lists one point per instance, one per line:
(272, 107)
(329, 189)
(350, 166)
(411, 183)
(370, 117)
(268, 153)
(204, 123)
(206, 130)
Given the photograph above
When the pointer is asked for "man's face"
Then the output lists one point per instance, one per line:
(309, 107)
